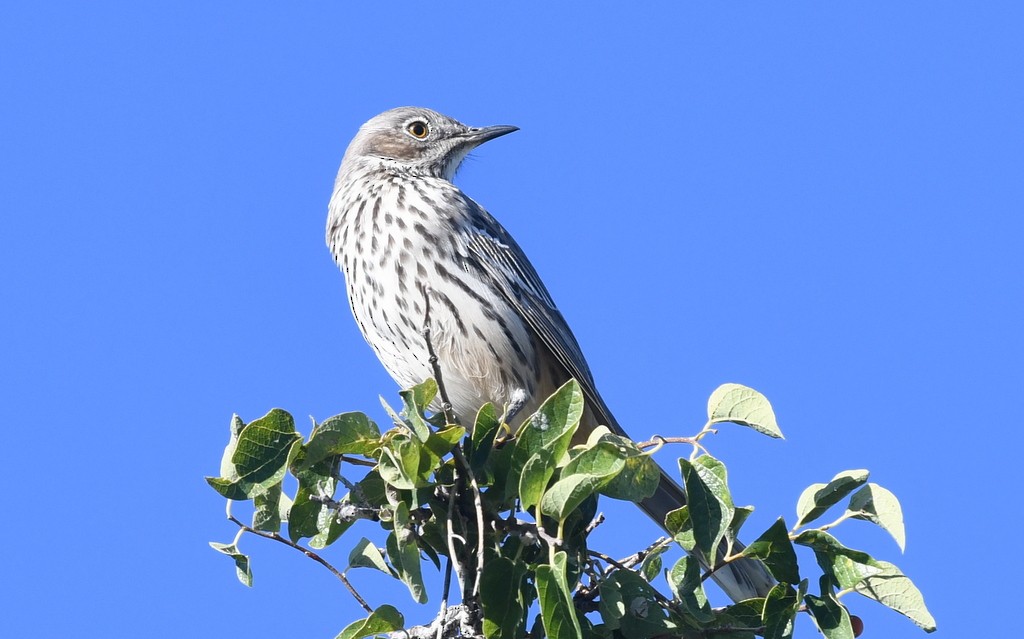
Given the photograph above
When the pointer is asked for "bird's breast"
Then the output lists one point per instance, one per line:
(399, 242)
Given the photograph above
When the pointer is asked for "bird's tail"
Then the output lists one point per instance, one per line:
(741, 579)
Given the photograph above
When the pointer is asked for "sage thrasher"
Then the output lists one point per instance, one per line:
(409, 240)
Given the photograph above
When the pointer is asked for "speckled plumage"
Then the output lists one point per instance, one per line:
(403, 233)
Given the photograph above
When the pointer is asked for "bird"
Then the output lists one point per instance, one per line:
(409, 241)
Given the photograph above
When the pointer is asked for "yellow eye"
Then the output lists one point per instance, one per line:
(418, 129)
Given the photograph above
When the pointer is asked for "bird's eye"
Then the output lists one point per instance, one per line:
(418, 129)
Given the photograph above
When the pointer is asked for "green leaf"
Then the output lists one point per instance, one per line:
(739, 517)
(344, 434)
(630, 605)
(261, 456)
(844, 566)
(567, 493)
(502, 599)
(405, 555)
(745, 406)
(242, 568)
(652, 563)
(485, 429)
(638, 479)
(780, 608)
(585, 474)
(437, 446)
(679, 525)
(879, 506)
(415, 401)
(892, 588)
(775, 549)
(831, 618)
(818, 498)
(311, 518)
(550, 428)
(709, 503)
(399, 463)
(381, 621)
(685, 581)
(555, 598)
(366, 555)
(267, 513)
(537, 473)
(604, 459)
(227, 469)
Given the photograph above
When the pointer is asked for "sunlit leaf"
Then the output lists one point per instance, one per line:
(879, 506)
(555, 598)
(347, 433)
(261, 456)
(242, 568)
(550, 428)
(381, 621)
(366, 555)
(894, 589)
(831, 618)
(710, 506)
(745, 406)
(780, 608)
(818, 498)
(405, 555)
(415, 401)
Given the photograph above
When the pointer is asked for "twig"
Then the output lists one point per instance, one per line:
(358, 462)
(479, 508)
(451, 418)
(658, 441)
(444, 596)
(608, 560)
(443, 626)
(452, 554)
(446, 405)
(639, 557)
(594, 524)
(347, 511)
(309, 553)
(600, 555)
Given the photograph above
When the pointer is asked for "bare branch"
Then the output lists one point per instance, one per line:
(309, 553)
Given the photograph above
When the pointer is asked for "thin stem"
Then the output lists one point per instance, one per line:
(309, 553)
(594, 524)
(446, 405)
(358, 462)
(841, 519)
(478, 507)
(450, 417)
(444, 597)
(659, 441)
(452, 554)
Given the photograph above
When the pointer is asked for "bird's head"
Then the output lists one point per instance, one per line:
(422, 141)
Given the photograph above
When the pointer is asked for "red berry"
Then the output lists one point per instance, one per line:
(858, 625)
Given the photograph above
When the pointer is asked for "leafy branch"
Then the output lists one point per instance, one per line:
(512, 518)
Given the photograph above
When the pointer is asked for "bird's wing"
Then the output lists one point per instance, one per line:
(492, 250)
(495, 252)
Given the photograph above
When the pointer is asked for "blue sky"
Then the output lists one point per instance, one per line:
(822, 202)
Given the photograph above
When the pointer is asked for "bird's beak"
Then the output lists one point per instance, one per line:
(476, 136)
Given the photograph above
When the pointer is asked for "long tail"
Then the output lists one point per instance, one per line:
(741, 579)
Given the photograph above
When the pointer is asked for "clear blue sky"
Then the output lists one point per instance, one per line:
(823, 202)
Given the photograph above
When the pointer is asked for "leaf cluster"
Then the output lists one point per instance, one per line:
(511, 516)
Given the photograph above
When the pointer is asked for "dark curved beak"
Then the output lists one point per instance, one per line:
(477, 136)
